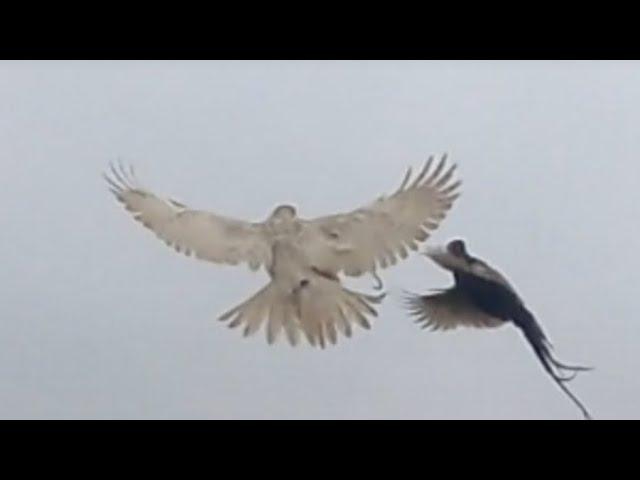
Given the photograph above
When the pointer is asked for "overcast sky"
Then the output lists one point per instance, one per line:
(99, 319)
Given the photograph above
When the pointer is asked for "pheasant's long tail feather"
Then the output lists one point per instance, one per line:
(542, 348)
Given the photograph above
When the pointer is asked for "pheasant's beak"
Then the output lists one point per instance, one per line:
(438, 255)
(433, 252)
(442, 257)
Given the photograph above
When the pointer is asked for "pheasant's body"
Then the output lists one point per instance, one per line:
(482, 297)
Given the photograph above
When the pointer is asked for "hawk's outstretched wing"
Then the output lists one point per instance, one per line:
(358, 242)
(448, 309)
(207, 235)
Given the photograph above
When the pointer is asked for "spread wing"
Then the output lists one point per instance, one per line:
(447, 310)
(208, 236)
(359, 241)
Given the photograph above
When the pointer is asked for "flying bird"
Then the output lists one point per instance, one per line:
(302, 257)
(482, 297)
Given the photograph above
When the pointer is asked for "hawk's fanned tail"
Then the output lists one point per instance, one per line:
(319, 309)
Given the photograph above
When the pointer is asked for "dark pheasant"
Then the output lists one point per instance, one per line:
(482, 297)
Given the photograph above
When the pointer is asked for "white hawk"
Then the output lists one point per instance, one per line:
(302, 257)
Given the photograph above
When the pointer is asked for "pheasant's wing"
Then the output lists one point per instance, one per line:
(208, 236)
(375, 235)
(447, 310)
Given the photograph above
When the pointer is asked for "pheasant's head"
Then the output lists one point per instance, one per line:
(457, 248)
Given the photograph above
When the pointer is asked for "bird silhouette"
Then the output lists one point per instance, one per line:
(302, 257)
(482, 297)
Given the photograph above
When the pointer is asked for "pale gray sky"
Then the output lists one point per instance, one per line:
(99, 319)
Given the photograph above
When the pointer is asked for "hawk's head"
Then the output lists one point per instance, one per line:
(284, 212)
